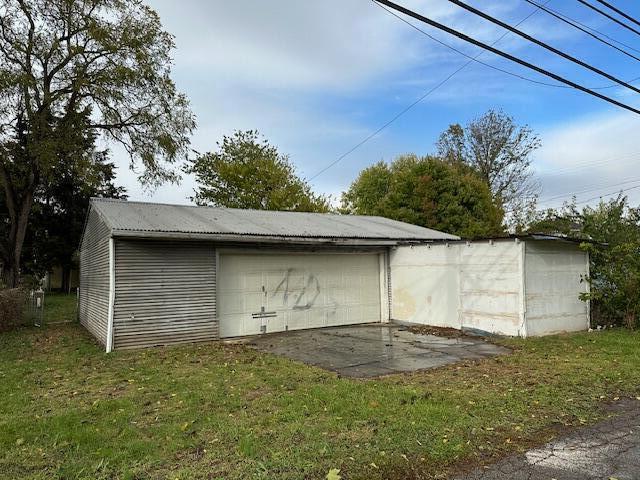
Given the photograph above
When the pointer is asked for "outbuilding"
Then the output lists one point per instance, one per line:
(528, 285)
(157, 274)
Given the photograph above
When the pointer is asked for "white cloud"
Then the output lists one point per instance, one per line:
(276, 66)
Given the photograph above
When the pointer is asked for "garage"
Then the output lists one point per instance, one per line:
(266, 293)
(157, 274)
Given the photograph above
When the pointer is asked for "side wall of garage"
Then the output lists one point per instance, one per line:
(93, 307)
(165, 293)
(553, 283)
(425, 285)
(475, 286)
(491, 278)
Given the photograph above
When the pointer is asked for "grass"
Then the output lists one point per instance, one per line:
(219, 411)
(59, 307)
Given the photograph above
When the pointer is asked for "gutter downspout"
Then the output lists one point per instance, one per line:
(112, 294)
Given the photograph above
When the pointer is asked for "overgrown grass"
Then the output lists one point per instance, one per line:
(224, 411)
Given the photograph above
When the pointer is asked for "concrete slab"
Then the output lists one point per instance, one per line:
(373, 350)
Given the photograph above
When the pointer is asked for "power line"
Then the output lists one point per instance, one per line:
(618, 11)
(607, 194)
(602, 12)
(542, 44)
(576, 25)
(590, 28)
(429, 92)
(621, 160)
(503, 54)
(599, 187)
(475, 59)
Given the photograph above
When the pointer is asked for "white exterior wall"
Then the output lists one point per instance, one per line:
(424, 285)
(491, 287)
(505, 287)
(552, 285)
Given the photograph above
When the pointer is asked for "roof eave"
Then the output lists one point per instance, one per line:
(271, 239)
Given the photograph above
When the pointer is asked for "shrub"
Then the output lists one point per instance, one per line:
(12, 302)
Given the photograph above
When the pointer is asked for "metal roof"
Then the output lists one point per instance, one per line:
(142, 219)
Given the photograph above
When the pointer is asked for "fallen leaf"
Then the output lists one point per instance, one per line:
(334, 474)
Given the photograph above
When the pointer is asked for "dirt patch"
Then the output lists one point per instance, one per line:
(437, 331)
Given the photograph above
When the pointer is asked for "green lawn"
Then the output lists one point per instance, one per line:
(59, 307)
(69, 411)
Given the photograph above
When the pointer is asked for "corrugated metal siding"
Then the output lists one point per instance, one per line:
(94, 277)
(165, 293)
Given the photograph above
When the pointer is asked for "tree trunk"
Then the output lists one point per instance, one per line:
(19, 208)
(65, 284)
(18, 231)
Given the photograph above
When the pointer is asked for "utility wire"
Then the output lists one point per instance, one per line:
(573, 194)
(620, 160)
(475, 59)
(471, 58)
(542, 44)
(607, 194)
(614, 19)
(618, 11)
(430, 91)
(576, 25)
(599, 187)
(591, 28)
(506, 55)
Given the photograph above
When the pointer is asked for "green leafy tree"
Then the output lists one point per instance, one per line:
(428, 192)
(500, 151)
(59, 212)
(68, 66)
(247, 172)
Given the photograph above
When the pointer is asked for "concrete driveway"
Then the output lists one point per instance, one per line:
(373, 350)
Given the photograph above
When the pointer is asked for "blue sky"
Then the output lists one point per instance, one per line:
(317, 77)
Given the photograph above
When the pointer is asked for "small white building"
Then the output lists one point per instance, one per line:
(520, 286)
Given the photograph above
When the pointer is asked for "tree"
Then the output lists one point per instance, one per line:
(427, 192)
(60, 209)
(614, 276)
(500, 151)
(247, 172)
(68, 66)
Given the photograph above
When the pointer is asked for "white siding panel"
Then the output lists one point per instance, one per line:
(424, 285)
(94, 277)
(475, 286)
(553, 284)
(300, 290)
(165, 293)
(490, 287)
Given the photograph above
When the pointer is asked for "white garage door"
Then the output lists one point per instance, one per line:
(265, 292)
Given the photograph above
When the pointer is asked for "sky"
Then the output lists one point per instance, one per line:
(316, 78)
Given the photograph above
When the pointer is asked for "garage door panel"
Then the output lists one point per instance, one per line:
(300, 291)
